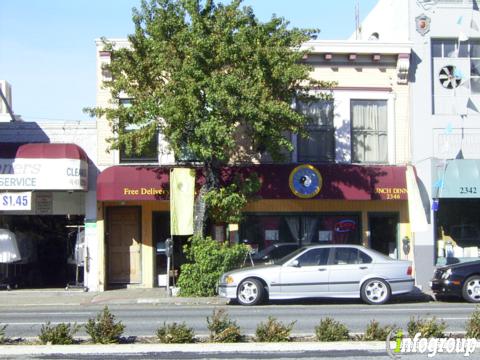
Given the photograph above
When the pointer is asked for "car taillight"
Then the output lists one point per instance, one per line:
(409, 270)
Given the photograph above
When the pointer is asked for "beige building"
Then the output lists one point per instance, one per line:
(357, 150)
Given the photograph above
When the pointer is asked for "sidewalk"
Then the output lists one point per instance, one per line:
(75, 297)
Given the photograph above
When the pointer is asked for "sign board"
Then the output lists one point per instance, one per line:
(43, 174)
(15, 201)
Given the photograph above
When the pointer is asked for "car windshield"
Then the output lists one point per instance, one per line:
(289, 257)
(263, 252)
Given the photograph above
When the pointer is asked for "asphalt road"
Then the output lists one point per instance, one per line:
(144, 319)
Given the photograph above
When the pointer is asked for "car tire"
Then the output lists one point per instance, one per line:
(250, 292)
(471, 289)
(375, 291)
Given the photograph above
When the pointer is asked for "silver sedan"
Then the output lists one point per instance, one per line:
(343, 271)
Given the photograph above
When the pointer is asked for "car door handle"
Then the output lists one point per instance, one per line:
(363, 267)
(322, 269)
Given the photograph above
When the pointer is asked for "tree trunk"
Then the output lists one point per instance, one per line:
(211, 172)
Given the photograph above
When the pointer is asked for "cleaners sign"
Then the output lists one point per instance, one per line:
(15, 201)
(43, 174)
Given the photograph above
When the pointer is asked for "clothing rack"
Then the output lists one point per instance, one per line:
(78, 257)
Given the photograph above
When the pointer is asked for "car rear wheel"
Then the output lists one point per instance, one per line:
(471, 289)
(375, 291)
(250, 292)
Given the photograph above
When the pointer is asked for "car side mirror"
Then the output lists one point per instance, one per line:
(295, 263)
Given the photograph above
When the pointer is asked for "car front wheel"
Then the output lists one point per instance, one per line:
(375, 291)
(471, 289)
(250, 292)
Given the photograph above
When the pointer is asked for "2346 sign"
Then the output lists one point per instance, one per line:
(15, 201)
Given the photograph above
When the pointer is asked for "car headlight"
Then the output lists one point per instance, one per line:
(227, 279)
(447, 274)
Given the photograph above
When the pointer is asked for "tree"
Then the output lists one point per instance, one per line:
(216, 82)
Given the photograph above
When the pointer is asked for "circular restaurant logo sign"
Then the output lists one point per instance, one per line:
(305, 181)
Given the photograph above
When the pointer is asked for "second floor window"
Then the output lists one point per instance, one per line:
(150, 151)
(319, 145)
(369, 131)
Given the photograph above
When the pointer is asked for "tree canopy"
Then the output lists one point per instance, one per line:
(214, 80)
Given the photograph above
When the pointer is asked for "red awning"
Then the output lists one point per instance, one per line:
(133, 183)
(339, 182)
(42, 151)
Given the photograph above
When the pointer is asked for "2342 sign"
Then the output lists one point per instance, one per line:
(15, 201)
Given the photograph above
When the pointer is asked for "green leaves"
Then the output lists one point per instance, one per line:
(215, 81)
(208, 260)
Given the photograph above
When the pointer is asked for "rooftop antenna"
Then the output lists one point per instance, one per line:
(357, 20)
(7, 105)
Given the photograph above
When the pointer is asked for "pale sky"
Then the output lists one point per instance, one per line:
(47, 47)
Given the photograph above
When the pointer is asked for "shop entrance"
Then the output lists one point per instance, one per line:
(124, 245)
(41, 251)
(383, 233)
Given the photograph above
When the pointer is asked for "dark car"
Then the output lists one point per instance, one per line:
(273, 252)
(461, 279)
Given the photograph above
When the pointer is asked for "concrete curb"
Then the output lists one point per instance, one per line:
(203, 348)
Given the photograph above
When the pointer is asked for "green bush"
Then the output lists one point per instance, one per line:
(207, 259)
(175, 334)
(222, 328)
(375, 332)
(426, 327)
(273, 331)
(103, 329)
(2, 334)
(331, 330)
(60, 334)
(473, 325)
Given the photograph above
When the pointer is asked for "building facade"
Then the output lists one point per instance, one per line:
(345, 183)
(47, 185)
(444, 121)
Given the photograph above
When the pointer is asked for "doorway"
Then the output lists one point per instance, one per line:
(124, 245)
(384, 233)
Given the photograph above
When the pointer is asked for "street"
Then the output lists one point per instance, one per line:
(144, 319)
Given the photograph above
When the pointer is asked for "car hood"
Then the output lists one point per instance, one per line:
(252, 270)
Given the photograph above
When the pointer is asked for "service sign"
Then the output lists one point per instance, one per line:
(15, 201)
(43, 174)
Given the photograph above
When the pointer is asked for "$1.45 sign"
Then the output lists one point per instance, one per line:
(15, 200)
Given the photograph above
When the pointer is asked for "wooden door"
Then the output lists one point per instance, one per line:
(124, 245)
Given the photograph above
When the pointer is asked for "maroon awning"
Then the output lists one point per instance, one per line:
(339, 182)
(133, 183)
(42, 151)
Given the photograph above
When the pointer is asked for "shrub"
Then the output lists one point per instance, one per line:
(2, 334)
(60, 334)
(426, 327)
(103, 329)
(331, 330)
(175, 334)
(473, 325)
(375, 332)
(273, 331)
(222, 328)
(207, 259)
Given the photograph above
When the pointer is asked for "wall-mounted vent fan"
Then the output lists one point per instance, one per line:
(450, 77)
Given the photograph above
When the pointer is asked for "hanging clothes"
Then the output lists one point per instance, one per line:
(9, 252)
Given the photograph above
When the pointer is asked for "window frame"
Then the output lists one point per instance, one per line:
(322, 130)
(385, 132)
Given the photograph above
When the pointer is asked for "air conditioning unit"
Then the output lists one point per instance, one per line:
(7, 93)
(450, 77)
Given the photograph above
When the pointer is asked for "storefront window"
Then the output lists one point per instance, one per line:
(457, 230)
(262, 231)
